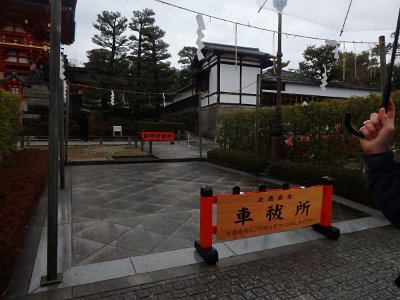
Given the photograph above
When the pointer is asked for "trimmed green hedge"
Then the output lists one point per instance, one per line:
(349, 184)
(239, 159)
(314, 133)
(9, 123)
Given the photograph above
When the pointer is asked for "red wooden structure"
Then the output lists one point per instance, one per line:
(14, 84)
(25, 35)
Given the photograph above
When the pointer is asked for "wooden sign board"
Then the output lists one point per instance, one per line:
(261, 213)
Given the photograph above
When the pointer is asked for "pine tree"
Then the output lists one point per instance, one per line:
(112, 27)
(186, 57)
(156, 50)
(107, 65)
(140, 24)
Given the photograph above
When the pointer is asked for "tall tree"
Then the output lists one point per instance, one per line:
(315, 59)
(140, 24)
(388, 48)
(103, 76)
(186, 57)
(156, 50)
(351, 67)
(112, 27)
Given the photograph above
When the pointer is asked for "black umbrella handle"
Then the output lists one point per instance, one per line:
(350, 128)
(388, 85)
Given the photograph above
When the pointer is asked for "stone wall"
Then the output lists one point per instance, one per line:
(190, 117)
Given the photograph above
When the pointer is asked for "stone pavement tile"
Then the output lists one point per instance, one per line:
(171, 259)
(160, 224)
(343, 213)
(172, 243)
(181, 214)
(103, 232)
(98, 213)
(259, 243)
(104, 186)
(175, 194)
(97, 272)
(162, 189)
(86, 192)
(80, 223)
(139, 240)
(130, 219)
(137, 197)
(120, 204)
(372, 222)
(188, 230)
(191, 201)
(154, 181)
(195, 218)
(83, 248)
(192, 188)
(129, 188)
(147, 208)
(79, 208)
(108, 253)
(349, 226)
(116, 194)
(146, 193)
(178, 182)
(90, 200)
(163, 199)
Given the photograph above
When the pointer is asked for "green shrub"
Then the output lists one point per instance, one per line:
(9, 123)
(314, 133)
(349, 184)
(238, 159)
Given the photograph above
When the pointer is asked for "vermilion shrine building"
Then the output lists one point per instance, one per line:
(24, 49)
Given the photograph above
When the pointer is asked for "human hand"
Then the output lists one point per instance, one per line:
(378, 130)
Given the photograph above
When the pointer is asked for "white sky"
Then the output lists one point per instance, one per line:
(180, 25)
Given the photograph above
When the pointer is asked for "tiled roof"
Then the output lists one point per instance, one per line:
(241, 51)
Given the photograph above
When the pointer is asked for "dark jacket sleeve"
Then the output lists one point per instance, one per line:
(383, 180)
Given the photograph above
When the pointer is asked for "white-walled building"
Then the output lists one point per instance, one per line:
(230, 74)
(297, 88)
(226, 80)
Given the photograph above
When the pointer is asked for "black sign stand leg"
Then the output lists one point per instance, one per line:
(210, 255)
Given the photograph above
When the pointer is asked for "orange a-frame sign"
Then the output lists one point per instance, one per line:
(254, 214)
(257, 213)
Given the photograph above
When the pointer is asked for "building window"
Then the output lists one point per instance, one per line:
(15, 90)
(17, 56)
(19, 29)
(14, 28)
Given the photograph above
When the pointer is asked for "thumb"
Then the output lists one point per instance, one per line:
(391, 109)
(383, 117)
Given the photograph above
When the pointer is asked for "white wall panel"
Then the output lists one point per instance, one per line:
(249, 100)
(212, 85)
(249, 78)
(229, 99)
(230, 78)
(213, 99)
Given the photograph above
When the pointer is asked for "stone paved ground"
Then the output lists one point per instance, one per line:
(361, 265)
